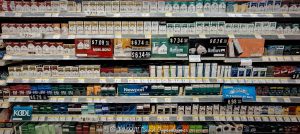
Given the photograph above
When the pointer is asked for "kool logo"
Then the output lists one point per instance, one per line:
(21, 113)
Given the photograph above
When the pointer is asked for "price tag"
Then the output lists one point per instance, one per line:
(294, 119)
(53, 99)
(89, 99)
(272, 119)
(18, 14)
(280, 58)
(258, 36)
(178, 80)
(185, 80)
(179, 118)
(11, 99)
(103, 101)
(145, 118)
(145, 81)
(253, 15)
(160, 118)
(153, 100)
(38, 80)
(42, 118)
(287, 99)
(236, 118)
(250, 118)
(231, 36)
(35, 118)
(152, 80)
(246, 62)
(168, 14)
(281, 36)
(117, 80)
(172, 81)
(60, 80)
(62, 118)
(25, 80)
(45, 80)
(202, 36)
(139, 118)
(75, 99)
(265, 119)
(219, 80)
(257, 118)
(69, 118)
(286, 15)
(229, 118)
(202, 118)
(279, 119)
(244, 118)
(132, 118)
(234, 80)
(216, 118)
(158, 81)
(286, 119)
(138, 81)
(96, 100)
(206, 80)
(287, 58)
(2, 14)
(167, 99)
(56, 36)
(126, 118)
(258, 99)
(194, 58)
(166, 118)
(110, 118)
(102, 118)
(195, 118)
(130, 81)
(60, 99)
(195, 99)
(81, 80)
(227, 81)
(193, 81)
(103, 81)
(249, 80)
(241, 80)
(119, 118)
(273, 99)
(222, 118)
(285, 81)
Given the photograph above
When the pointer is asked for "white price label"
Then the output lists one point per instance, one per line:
(152, 80)
(145, 81)
(179, 80)
(265, 119)
(241, 80)
(69, 118)
(286, 15)
(222, 118)
(195, 118)
(257, 118)
(287, 119)
(126, 118)
(35, 118)
(244, 118)
(102, 118)
(62, 118)
(38, 80)
(61, 99)
(185, 80)
(153, 100)
(103, 101)
(206, 80)
(216, 118)
(158, 81)
(231, 36)
(285, 81)
(287, 58)
(11, 99)
(132, 118)
(272, 119)
(234, 80)
(139, 118)
(249, 80)
(167, 99)
(250, 118)
(110, 118)
(237, 118)
(179, 118)
(166, 118)
(273, 99)
(97, 100)
(75, 99)
(279, 119)
(193, 81)
(287, 99)
(253, 15)
(53, 99)
(89, 99)
(281, 36)
(168, 14)
(60, 80)
(120, 118)
(145, 118)
(195, 99)
(202, 118)
(165, 80)
(229, 118)
(294, 119)
(172, 81)
(130, 81)
(194, 58)
(25, 80)
(2, 14)
(246, 62)
(80, 80)
(160, 118)
(42, 118)
(258, 99)
(258, 36)
(103, 81)
(280, 58)
(117, 80)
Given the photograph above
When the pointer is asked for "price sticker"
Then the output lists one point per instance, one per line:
(241, 80)
(250, 118)
(119, 118)
(25, 80)
(60, 99)
(137, 80)
(130, 81)
(272, 119)
(287, 119)
(61, 80)
(145, 81)
(195, 118)
(273, 99)
(69, 118)
(179, 118)
(81, 80)
(279, 119)
(35, 118)
(125, 118)
(216, 118)
(117, 80)
(102, 118)
(294, 119)
(178, 80)
(166, 118)
(110, 118)
(152, 80)
(234, 80)
(89, 99)
(145, 118)
(246, 62)
(167, 99)
(75, 99)
(172, 80)
(287, 58)
(62, 118)
(229, 118)
(132, 118)
(160, 118)
(236, 118)
(258, 36)
(231, 36)
(103, 101)
(258, 99)
(257, 118)
(244, 118)
(139, 118)
(194, 58)
(265, 119)
(195, 99)
(202, 118)
(158, 81)
(287, 99)
(96, 100)
(42, 118)
(222, 118)
(53, 99)
(286, 15)
(11, 99)
(153, 100)
(38, 80)
(285, 81)
(186, 80)
(168, 14)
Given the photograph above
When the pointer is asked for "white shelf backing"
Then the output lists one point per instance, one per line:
(145, 80)
(163, 118)
(148, 15)
(150, 99)
(111, 36)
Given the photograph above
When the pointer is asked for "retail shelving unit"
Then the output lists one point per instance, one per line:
(289, 102)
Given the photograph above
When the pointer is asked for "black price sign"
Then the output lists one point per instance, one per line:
(38, 95)
(140, 42)
(178, 40)
(233, 101)
(140, 54)
(100, 42)
(218, 41)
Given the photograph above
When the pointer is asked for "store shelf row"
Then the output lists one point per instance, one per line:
(164, 118)
(141, 36)
(149, 99)
(291, 58)
(145, 80)
(146, 15)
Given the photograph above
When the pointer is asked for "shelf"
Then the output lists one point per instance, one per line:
(149, 99)
(112, 36)
(4, 104)
(6, 130)
(291, 58)
(145, 80)
(148, 15)
(145, 118)
(73, 57)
